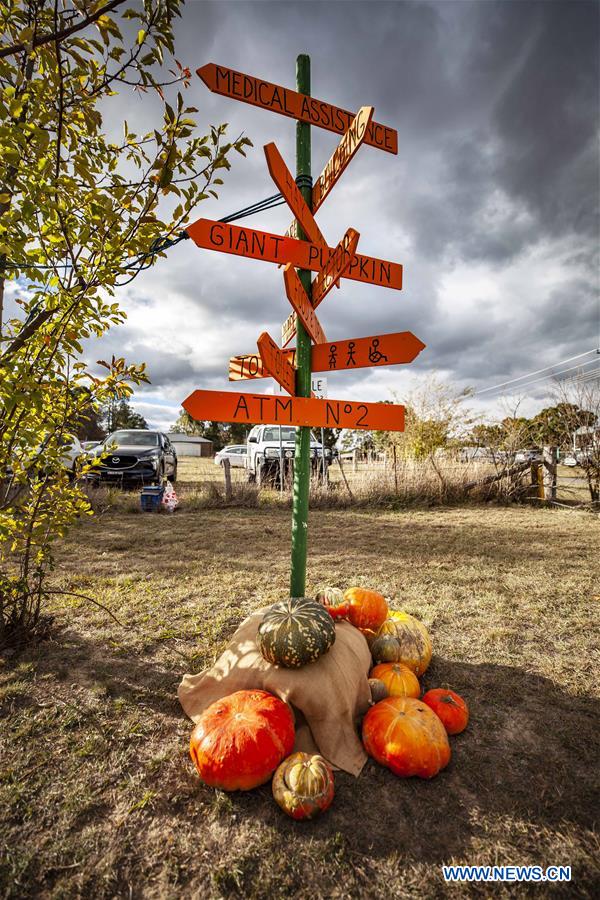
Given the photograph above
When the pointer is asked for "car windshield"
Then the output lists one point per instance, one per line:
(133, 439)
(272, 434)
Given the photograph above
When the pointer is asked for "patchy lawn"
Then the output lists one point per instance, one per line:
(98, 796)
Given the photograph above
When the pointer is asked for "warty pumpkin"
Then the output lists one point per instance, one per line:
(406, 736)
(295, 632)
(367, 609)
(303, 785)
(449, 707)
(399, 680)
(240, 740)
(333, 601)
(402, 638)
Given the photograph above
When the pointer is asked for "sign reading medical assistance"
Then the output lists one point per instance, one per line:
(290, 103)
(269, 409)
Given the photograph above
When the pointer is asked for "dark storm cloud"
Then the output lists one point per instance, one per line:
(491, 203)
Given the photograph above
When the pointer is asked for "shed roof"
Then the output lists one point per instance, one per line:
(183, 438)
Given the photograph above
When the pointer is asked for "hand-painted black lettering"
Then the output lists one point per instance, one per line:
(216, 234)
(284, 406)
(361, 421)
(241, 405)
(330, 414)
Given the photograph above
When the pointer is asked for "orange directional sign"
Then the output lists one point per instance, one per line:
(335, 267)
(269, 409)
(356, 353)
(276, 248)
(249, 89)
(276, 363)
(284, 180)
(302, 305)
(344, 152)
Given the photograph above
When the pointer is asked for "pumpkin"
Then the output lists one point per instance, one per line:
(406, 736)
(333, 601)
(399, 680)
(303, 785)
(449, 707)
(378, 690)
(402, 638)
(240, 740)
(367, 609)
(295, 632)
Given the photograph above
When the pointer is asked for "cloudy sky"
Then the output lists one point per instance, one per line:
(491, 204)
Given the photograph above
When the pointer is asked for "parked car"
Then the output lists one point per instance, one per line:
(528, 456)
(268, 443)
(70, 454)
(135, 455)
(235, 453)
(568, 460)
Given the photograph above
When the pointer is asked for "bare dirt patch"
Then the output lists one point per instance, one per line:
(98, 794)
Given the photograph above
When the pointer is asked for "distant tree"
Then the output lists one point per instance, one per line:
(119, 415)
(435, 417)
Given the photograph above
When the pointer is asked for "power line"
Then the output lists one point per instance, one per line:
(552, 375)
(537, 372)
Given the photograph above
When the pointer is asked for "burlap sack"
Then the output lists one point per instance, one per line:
(328, 696)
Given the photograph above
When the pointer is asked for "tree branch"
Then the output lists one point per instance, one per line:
(64, 33)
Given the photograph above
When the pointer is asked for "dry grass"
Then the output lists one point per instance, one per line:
(98, 796)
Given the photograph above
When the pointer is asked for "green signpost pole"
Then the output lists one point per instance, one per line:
(303, 381)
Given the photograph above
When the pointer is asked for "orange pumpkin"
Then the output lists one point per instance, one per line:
(402, 638)
(240, 740)
(400, 681)
(450, 708)
(303, 785)
(406, 736)
(367, 609)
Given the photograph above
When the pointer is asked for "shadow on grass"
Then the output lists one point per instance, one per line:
(528, 754)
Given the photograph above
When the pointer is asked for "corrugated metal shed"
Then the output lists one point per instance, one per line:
(190, 444)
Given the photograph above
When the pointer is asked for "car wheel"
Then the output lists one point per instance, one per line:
(173, 476)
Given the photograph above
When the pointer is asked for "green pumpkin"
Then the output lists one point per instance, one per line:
(386, 648)
(295, 632)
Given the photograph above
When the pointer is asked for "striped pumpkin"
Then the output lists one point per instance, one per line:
(295, 632)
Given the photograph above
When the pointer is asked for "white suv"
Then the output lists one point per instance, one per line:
(268, 444)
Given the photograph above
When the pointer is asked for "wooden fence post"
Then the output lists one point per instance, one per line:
(354, 461)
(549, 472)
(395, 467)
(227, 474)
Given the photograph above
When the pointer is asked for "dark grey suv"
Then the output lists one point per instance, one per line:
(135, 455)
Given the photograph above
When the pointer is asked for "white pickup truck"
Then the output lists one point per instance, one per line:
(269, 444)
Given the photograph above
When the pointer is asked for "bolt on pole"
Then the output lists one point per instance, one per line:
(302, 451)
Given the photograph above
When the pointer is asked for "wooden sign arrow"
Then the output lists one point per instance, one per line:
(284, 180)
(302, 306)
(276, 248)
(276, 363)
(342, 155)
(356, 353)
(334, 268)
(269, 409)
(257, 92)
